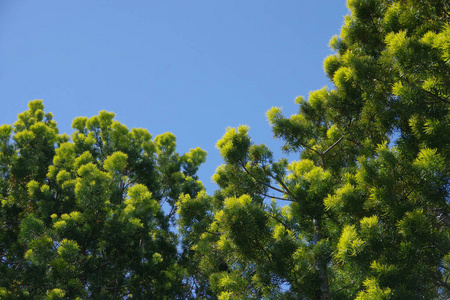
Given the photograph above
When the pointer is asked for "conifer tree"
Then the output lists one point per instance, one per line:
(82, 217)
(364, 213)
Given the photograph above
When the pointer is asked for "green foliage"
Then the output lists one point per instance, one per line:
(82, 218)
(364, 213)
(234, 145)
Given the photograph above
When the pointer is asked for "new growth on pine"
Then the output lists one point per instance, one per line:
(362, 214)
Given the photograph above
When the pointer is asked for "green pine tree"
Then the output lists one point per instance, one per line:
(81, 217)
(364, 213)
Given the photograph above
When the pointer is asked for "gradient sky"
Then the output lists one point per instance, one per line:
(189, 67)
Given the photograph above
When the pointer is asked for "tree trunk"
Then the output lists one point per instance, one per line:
(321, 265)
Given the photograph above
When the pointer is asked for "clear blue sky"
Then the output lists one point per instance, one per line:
(189, 67)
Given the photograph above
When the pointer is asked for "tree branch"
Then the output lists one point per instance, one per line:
(281, 222)
(260, 182)
(436, 96)
(279, 198)
(446, 13)
(280, 182)
(315, 151)
(355, 142)
(264, 250)
(215, 233)
(334, 145)
(343, 288)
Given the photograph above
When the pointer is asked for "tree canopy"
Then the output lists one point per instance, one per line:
(363, 213)
(82, 217)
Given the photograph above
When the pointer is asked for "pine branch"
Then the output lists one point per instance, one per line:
(446, 13)
(315, 151)
(279, 181)
(260, 182)
(343, 288)
(355, 142)
(264, 250)
(215, 233)
(334, 145)
(436, 96)
(274, 197)
(280, 221)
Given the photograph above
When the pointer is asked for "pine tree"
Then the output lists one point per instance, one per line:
(364, 213)
(82, 217)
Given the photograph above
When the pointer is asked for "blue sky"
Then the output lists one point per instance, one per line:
(189, 67)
